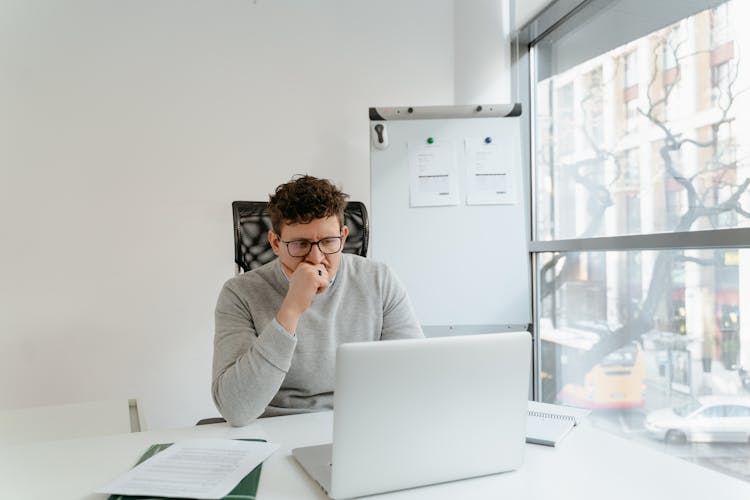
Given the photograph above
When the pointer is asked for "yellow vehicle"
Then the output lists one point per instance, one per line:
(616, 382)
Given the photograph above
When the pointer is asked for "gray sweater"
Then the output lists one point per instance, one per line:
(261, 370)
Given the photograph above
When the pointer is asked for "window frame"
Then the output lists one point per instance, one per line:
(524, 77)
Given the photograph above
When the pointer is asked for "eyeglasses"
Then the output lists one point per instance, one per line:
(302, 248)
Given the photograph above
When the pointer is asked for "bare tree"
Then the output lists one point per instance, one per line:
(659, 93)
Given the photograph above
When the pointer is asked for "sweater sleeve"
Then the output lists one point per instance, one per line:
(248, 365)
(399, 320)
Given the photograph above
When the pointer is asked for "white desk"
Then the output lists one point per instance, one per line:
(589, 464)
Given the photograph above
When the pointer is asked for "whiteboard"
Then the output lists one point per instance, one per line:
(466, 267)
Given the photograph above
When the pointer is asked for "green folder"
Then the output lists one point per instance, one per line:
(245, 489)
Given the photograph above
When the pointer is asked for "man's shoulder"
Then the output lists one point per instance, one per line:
(255, 277)
(358, 263)
(361, 268)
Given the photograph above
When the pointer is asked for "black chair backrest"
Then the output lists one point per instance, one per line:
(252, 223)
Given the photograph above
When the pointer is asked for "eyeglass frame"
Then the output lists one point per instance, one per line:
(340, 237)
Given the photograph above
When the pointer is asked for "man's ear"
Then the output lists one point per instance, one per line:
(344, 233)
(275, 242)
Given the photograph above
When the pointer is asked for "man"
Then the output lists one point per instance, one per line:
(278, 326)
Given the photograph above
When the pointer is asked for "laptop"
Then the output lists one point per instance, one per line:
(414, 412)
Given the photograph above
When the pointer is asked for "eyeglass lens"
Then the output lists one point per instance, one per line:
(301, 248)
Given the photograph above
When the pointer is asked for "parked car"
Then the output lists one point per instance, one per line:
(744, 375)
(707, 419)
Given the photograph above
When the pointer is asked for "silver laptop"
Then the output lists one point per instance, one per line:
(410, 413)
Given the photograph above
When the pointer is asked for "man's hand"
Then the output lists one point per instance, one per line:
(305, 282)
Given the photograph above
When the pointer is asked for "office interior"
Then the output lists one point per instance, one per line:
(128, 128)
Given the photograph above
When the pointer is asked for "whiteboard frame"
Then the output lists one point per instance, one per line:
(491, 292)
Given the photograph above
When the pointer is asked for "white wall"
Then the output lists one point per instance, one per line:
(482, 51)
(128, 127)
(483, 36)
(526, 10)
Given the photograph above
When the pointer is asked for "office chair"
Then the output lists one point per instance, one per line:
(252, 249)
(252, 223)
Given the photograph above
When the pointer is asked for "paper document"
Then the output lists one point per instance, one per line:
(490, 174)
(195, 468)
(433, 175)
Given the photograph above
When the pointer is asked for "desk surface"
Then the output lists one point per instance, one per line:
(589, 463)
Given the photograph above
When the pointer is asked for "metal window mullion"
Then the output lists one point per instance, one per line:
(537, 343)
(716, 238)
(555, 14)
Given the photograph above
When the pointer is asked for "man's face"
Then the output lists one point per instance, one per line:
(315, 230)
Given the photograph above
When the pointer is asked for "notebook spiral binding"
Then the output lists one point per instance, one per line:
(556, 416)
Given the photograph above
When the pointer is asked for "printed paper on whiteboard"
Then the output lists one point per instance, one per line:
(433, 179)
(490, 175)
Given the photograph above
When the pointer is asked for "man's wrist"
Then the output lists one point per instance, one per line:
(288, 318)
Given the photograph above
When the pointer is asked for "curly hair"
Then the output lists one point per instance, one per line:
(304, 199)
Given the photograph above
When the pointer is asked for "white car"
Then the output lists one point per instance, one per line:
(707, 419)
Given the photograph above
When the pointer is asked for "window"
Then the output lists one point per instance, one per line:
(631, 116)
(723, 174)
(737, 411)
(670, 47)
(641, 245)
(630, 92)
(631, 174)
(630, 71)
(564, 120)
(721, 79)
(720, 25)
(711, 412)
(592, 103)
(629, 194)
(723, 63)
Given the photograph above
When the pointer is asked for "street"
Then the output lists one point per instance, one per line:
(729, 458)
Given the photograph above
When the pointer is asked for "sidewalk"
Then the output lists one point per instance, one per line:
(719, 381)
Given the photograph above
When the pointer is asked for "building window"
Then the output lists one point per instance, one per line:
(564, 120)
(630, 92)
(630, 70)
(721, 81)
(670, 47)
(592, 103)
(720, 25)
(631, 116)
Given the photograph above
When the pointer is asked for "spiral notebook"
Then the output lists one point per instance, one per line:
(548, 424)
